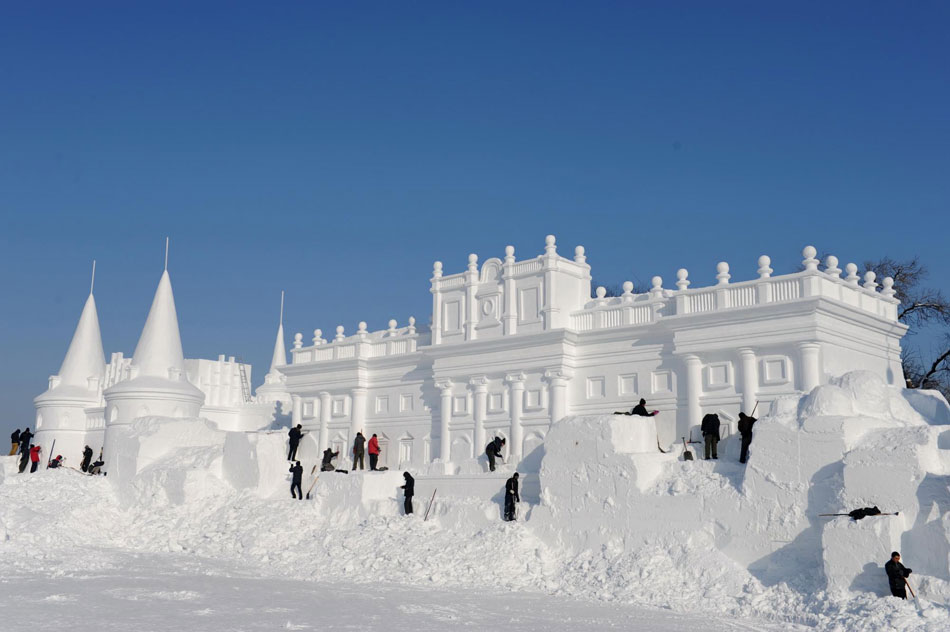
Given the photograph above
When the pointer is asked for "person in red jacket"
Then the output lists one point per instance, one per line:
(35, 458)
(373, 448)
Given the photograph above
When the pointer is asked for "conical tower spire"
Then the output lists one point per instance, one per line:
(85, 357)
(280, 349)
(159, 347)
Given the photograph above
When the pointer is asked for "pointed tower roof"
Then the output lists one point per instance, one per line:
(159, 347)
(280, 351)
(85, 357)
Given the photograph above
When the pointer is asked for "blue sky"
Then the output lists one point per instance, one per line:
(335, 150)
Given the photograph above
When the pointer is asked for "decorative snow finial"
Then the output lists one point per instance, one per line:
(869, 283)
(579, 256)
(682, 282)
(509, 254)
(92, 283)
(392, 327)
(722, 269)
(657, 290)
(318, 337)
(473, 262)
(888, 291)
(852, 278)
(361, 329)
(437, 269)
(298, 340)
(809, 261)
(831, 266)
(166, 254)
(412, 325)
(627, 288)
(601, 292)
(339, 333)
(550, 245)
(764, 270)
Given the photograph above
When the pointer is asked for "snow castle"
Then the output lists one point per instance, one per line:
(513, 347)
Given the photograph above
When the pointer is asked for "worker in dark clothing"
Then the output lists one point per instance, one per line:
(359, 451)
(295, 434)
(14, 442)
(57, 462)
(641, 409)
(96, 467)
(24, 459)
(25, 438)
(745, 429)
(710, 430)
(86, 459)
(409, 491)
(297, 471)
(511, 497)
(373, 448)
(897, 575)
(35, 458)
(493, 451)
(328, 456)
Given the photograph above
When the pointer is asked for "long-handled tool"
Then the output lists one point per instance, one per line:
(314, 481)
(687, 455)
(430, 504)
(912, 593)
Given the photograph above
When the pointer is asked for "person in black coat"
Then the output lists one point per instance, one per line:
(297, 471)
(359, 450)
(14, 441)
(86, 459)
(745, 429)
(511, 497)
(409, 491)
(897, 575)
(641, 409)
(25, 438)
(710, 430)
(328, 456)
(24, 458)
(295, 434)
(493, 451)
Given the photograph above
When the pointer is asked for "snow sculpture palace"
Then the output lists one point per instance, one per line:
(513, 347)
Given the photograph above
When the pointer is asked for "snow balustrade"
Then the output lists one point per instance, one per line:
(659, 302)
(363, 344)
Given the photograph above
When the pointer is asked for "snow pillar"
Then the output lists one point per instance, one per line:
(694, 385)
(358, 416)
(550, 313)
(510, 317)
(750, 379)
(436, 303)
(296, 411)
(811, 369)
(445, 414)
(480, 384)
(471, 306)
(558, 378)
(516, 384)
(324, 420)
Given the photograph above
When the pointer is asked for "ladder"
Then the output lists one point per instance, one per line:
(245, 383)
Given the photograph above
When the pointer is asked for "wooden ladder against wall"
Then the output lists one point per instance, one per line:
(245, 383)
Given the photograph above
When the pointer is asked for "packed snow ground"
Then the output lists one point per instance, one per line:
(618, 522)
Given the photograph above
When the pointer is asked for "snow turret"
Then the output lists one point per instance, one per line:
(158, 385)
(61, 410)
(274, 388)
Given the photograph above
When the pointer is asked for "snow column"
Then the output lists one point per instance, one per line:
(551, 314)
(511, 305)
(324, 420)
(297, 410)
(480, 384)
(471, 305)
(516, 384)
(810, 367)
(558, 379)
(436, 303)
(694, 383)
(749, 379)
(358, 418)
(445, 412)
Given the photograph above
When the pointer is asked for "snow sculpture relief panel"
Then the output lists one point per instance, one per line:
(628, 384)
(596, 387)
(718, 375)
(405, 403)
(774, 370)
(529, 305)
(662, 382)
(452, 317)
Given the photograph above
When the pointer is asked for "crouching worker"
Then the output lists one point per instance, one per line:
(493, 451)
(328, 456)
(897, 575)
(409, 490)
(96, 468)
(511, 497)
(57, 462)
(297, 470)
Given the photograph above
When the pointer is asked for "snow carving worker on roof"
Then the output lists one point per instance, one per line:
(511, 497)
(25, 437)
(35, 457)
(641, 409)
(86, 459)
(295, 434)
(710, 430)
(14, 442)
(493, 451)
(745, 429)
(358, 450)
(373, 448)
(297, 470)
(328, 456)
(24, 459)
(897, 575)
(409, 489)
